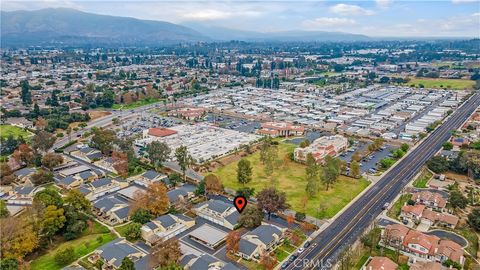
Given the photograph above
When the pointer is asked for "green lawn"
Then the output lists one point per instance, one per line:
(7, 130)
(280, 254)
(82, 246)
(456, 84)
(290, 178)
(135, 104)
(396, 208)
(422, 180)
(122, 229)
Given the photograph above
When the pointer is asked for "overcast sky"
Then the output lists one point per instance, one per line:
(373, 18)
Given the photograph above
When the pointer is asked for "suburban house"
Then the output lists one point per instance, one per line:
(165, 227)
(380, 263)
(218, 212)
(113, 253)
(420, 214)
(23, 175)
(264, 238)
(87, 153)
(21, 195)
(181, 194)
(208, 236)
(111, 209)
(427, 266)
(100, 187)
(420, 246)
(106, 164)
(281, 129)
(430, 199)
(321, 148)
(204, 262)
(188, 113)
(149, 177)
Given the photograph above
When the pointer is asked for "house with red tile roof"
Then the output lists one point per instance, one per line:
(420, 246)
(281, 129)
(430, 199)
(380, 263)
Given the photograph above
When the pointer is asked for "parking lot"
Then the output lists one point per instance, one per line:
(369, 163)
(237, 124)
(136, 125)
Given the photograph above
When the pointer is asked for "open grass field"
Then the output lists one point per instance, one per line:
(422, 180)
(82, 246)
(290, 178)
(455, 84)
(135, 104)
(7, 130)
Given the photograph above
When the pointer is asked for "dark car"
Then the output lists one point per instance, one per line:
(307, 244)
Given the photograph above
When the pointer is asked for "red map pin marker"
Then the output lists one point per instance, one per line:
(240, 202)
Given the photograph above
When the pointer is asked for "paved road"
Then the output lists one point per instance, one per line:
(351, 223)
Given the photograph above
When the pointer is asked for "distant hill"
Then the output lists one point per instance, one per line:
(221, 33)
(70, 27)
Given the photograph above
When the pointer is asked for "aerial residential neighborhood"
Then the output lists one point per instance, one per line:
(240, 135)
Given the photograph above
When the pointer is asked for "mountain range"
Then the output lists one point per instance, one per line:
(70, 27)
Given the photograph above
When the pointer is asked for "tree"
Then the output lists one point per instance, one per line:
(271, 200)
(6, 174)
(103, 139)
(355, 169)
(25, 93)
(43, 141)
(386, 162)
(290, 220)
(447, 146)
(212, 184)
(120, 163)
(158, 153)
(244, 171)
(24, 154)
(127, 264)
(165, 252)
(41, 123)
(304, 143)
(311, 175)
(133, 232)
(52, 220)
(457, 200)
(77, 200)
(251, 217)
(42, 177)
(233, 241)
(330, 171)
(9, 264)
(437, 164)
(405, 147)
(474, 219)
(17, 237)
(141, 216)
(48, 197)
(245, 192)
(271, 157)
(51, 160)
(3, 209)
(200, 191)
(268, 261)
(64, 256)
(174, 178)
(184, 159)
(154, 199)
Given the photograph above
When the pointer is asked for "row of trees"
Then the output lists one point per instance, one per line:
(327, 174)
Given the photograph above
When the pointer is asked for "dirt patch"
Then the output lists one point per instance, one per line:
(458, 177)
(98, 114)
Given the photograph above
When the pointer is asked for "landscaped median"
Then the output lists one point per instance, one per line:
(90, 240)
(289, 177)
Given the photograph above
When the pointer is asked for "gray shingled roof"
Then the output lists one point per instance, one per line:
(265, 233)
(218, 206)
(67, 180)
(23, 172)
(233, 218)
(117, 250)
(107, 203)
(101, 182)
(150, 174)
(166, 220)
(122, 213)
(246, 247)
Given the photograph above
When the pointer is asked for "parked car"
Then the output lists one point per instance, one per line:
(300, 250)
(385, 206)
(307, 244)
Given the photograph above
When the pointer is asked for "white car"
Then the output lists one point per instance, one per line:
(300, 250)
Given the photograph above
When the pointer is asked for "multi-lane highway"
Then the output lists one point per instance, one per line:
(344, 230)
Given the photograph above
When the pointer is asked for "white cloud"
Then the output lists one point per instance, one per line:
(207, 15)
(464, 1)
(327, 22)
(350, 10)
(384, 3)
